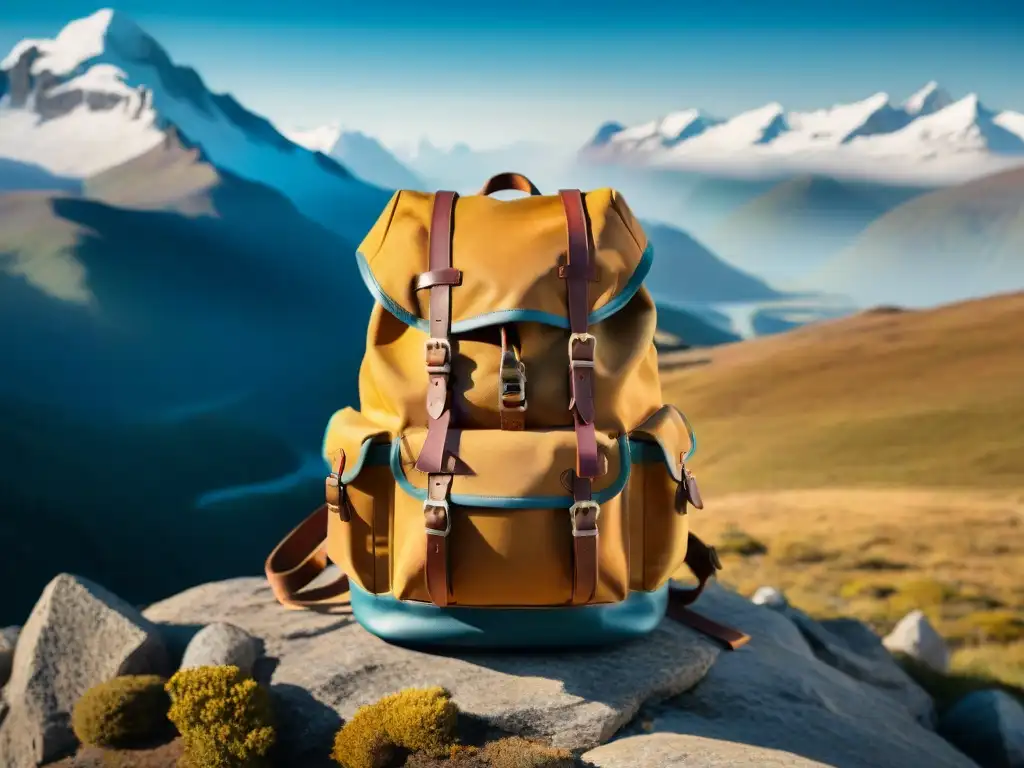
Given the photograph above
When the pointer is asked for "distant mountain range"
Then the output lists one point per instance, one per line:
(366, 157)
(103, 91)
(929, 138)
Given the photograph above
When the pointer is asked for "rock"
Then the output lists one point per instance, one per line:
(851, 647)
(988, 726)
(915, 636)
(671, 750)
(575, 700)
(8, 639)
(769, 596)
(77, 635)
(221, 643)
(776, 694)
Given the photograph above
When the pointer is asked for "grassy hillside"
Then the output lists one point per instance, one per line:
(884, 398)
(873, 465)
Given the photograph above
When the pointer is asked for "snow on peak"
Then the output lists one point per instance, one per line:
(320, 139)
(931, 98)
(82, 40)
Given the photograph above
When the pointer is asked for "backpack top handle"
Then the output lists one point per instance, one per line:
(508, 181)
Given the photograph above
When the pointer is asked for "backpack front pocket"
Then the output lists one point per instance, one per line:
(511, 539)
(359, 498)
(658, 497)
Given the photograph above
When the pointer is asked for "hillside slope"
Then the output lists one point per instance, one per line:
(917, 398)
(957, 243)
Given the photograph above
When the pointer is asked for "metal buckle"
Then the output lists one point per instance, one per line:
(513, 387)
(440, 504)
(444, 344)
(581, 338)
(576, 507)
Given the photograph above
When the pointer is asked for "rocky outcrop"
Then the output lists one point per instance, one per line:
(78, 635)
(914, 636)
(776, 694)
(327, 666)
(8, 639)
(988, 726)
(802, 693)
(218, 644)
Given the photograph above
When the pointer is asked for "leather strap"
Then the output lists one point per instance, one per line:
(511, 384)
(436, 513)
(585, 538)
(437, 516)
(298, 560)
(334, 490)
(508, 182)
(582, 345)
(582, 350)
(446, 276)
(438, 347)
(703, 561)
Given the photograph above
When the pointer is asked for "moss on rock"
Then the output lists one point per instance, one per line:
(125, 711)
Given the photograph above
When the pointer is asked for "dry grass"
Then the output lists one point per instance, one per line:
(879, 462)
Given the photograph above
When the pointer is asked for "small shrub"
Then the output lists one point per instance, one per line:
(123, 712)
(224, 717)
(991, 626)
(416, 719)
(733, 541)
(803, 552)
(865, 588)
(517, 752)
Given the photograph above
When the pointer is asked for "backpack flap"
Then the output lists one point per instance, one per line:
(660, 495)
(511, 538)
(358, 495)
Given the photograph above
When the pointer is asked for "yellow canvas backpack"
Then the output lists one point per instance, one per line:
(513, 477)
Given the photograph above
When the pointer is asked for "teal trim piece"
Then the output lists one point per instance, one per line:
(503, 316)
(424, 624)
(644, 452)
(512, 502)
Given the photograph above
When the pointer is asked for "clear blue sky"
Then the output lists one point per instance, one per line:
(493, 72)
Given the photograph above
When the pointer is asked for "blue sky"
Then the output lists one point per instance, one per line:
(491, 73)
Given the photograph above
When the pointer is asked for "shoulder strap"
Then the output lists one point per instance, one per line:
(298, 560)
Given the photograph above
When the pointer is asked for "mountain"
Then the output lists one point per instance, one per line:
(930, 137)
(955, 243)
(684, 270)
(103, 91)
(180, 329)
(798, 224)
(366, 157)
(15, 176)
(465, 169)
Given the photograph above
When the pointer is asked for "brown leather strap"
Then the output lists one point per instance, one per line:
(337, 498)
(507, 182)
(438, 347)
(446, 276)
(585, 539)
(703, 561)
(582, 345)
(511, 384)
(729, 637)
(298, 560)
(437, 516)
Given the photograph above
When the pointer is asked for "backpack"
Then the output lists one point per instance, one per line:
(513, 478)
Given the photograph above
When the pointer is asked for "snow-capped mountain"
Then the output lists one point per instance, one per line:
(930, 136)
(366, 157)
(103, 91)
